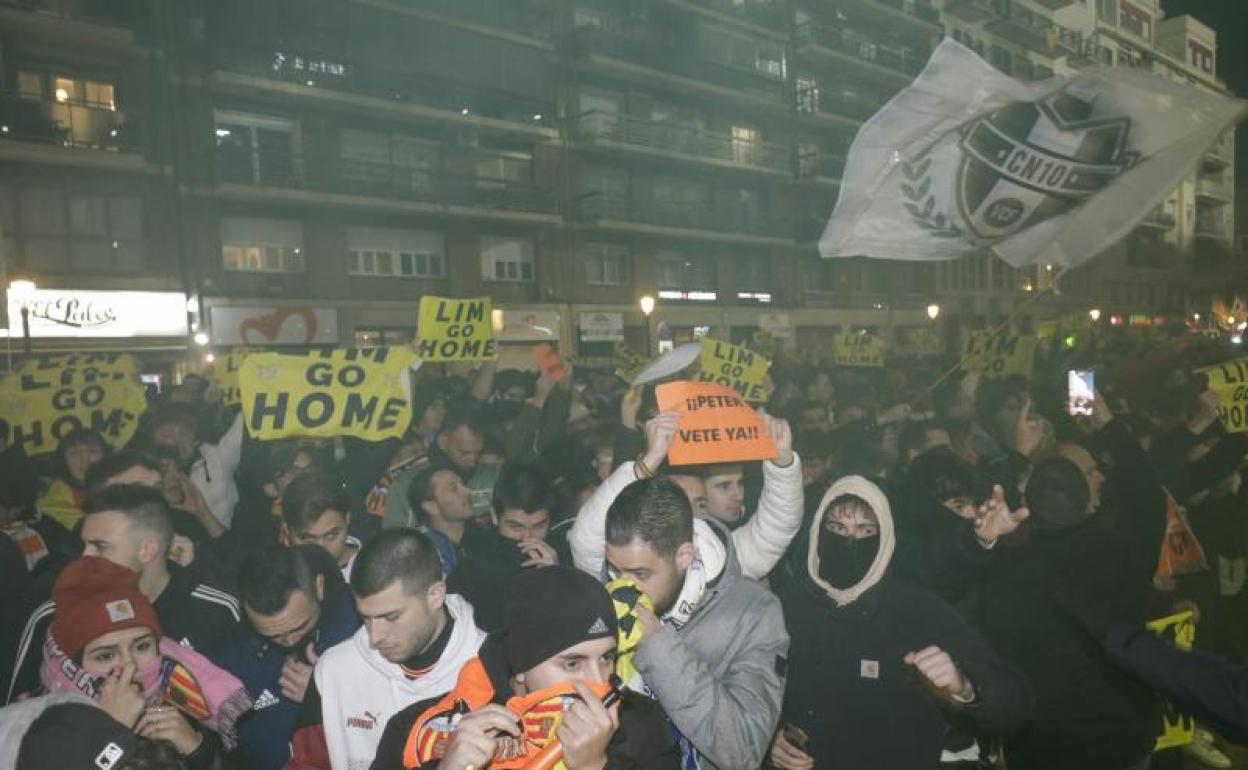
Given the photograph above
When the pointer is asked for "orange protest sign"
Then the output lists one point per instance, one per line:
(716, 426)
(549, 363)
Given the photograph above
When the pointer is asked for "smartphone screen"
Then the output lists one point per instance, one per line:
(1080, 392)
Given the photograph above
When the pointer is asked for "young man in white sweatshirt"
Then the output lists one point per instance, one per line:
(414, 640)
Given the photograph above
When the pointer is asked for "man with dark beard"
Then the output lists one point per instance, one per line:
(297, 607)
(713, 650)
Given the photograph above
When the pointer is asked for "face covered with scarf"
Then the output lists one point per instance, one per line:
(850, 541)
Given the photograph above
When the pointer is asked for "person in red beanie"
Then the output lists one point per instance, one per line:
(106, 643)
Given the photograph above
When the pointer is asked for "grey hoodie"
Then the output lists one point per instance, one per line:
(720, 678)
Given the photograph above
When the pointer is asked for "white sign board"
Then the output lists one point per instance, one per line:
(296, 325)
(778, 325)
(72, 313)
(526, 325)
(602, 327)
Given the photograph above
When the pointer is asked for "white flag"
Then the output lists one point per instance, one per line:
(1053, 172)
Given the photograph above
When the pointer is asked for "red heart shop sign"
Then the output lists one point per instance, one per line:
(295, 325)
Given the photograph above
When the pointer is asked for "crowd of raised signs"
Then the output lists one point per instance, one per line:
(880, 566)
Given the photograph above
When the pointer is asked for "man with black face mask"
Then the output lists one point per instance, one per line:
(297, 607)
(871, 651)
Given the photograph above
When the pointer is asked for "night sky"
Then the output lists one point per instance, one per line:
(1230, 20)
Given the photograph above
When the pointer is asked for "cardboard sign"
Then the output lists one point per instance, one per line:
(455, 330)
(225, 374)
(735, 367)
(716, 425)
(41, 404)
(861, 350)
(999, 355)
(91, 364)
(343, 392)
(1230, 382)
(923, 341)
(1176, 729)
(549, 363)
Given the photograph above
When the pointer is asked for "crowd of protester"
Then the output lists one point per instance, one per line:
(932, 572)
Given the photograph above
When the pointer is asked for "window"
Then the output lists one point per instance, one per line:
(376, 337)
(1200, 57)
(388, 253)
(255, 149)
(262, 245)
(807, 93)
(513, 167)
(754, 274)
(92, 233)
(745, 142)
(1136, 21)
(677, 271)
(606, 264)
(506, 259)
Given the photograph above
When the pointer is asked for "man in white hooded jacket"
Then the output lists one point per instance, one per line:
(414, 641)
(759, 543)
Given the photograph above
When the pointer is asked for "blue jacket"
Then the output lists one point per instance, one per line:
(264, 734)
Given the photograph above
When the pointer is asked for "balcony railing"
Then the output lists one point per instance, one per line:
(399, 86)
(821, 164)
(920, 9)
(66, 123)
(520, 16)
(743, 218)
(115, 13)
(651, 53)
(1213, 230)
(668, 137)
(1159, 220)
(764, 13)
(831, 101)
(378, 180)
(902, 59)
(1214, 189)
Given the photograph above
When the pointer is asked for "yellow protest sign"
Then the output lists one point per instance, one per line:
(735, 367)
(225, 374)
(343, 392)
(41, 404)
(999, 355)
(91, 364)
(1230, 382)
(1177, 729)
(455, 330)
(862, 350)
(922, 341)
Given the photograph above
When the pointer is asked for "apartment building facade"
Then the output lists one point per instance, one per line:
(328, 162)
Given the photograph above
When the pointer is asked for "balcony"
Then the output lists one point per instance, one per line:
(1214, 162)
(407, 94)
(843, 108)
(679, 67)
(1213, 191)
(972, 11)
(667, 139)
(1158, 219)
(767, 14)
(1214, 231)
(693, 220)
(898, 64)
(509, 19)
(822, 166)
(93, 23)
(70, 133)
(1039, 34)
(247, 173)
(918, 16)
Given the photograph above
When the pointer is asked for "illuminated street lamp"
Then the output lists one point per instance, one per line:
(647, 307)
(933, 311)
(23, 293)
(1095, 314)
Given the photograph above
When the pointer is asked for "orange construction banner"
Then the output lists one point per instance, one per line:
(716, 425)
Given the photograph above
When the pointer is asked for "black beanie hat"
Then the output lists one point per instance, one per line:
(75, 736)
(549, 609)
